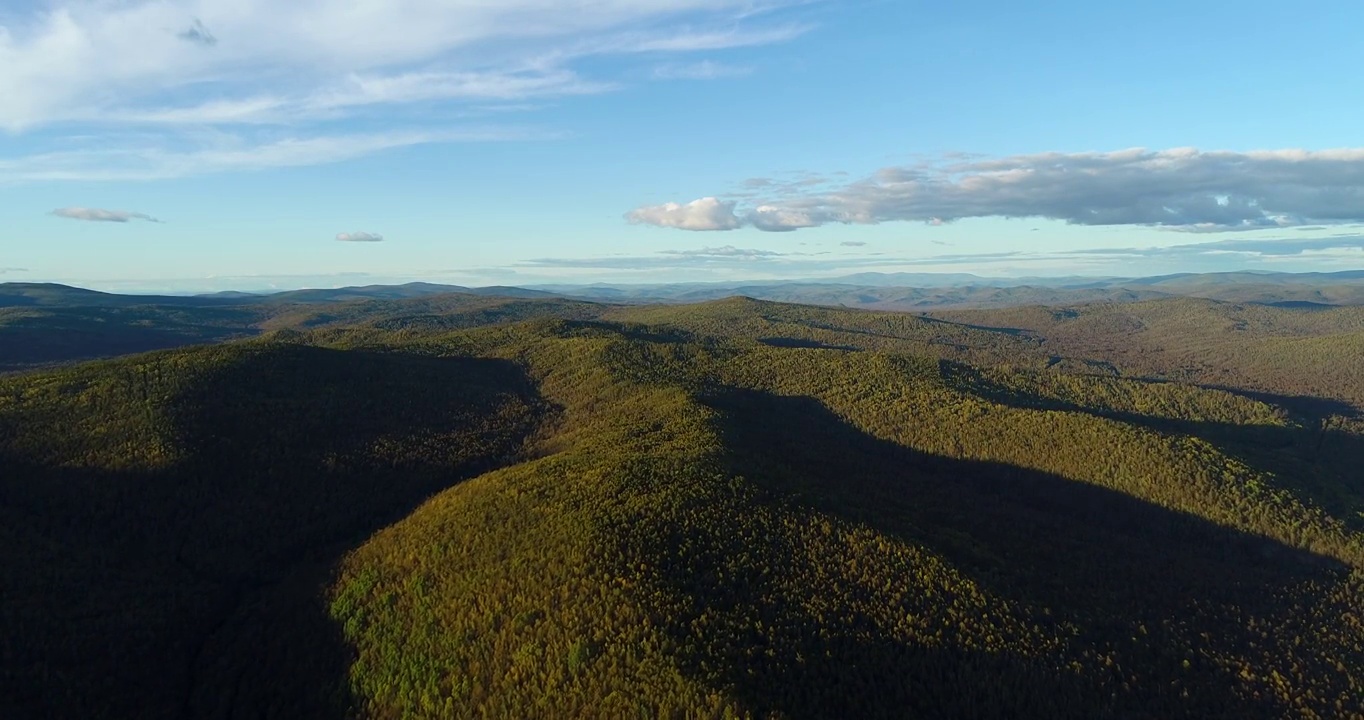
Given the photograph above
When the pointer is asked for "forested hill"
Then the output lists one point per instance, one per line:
(45, 323)
(536, 508)
(48, 333)
(1299, 351)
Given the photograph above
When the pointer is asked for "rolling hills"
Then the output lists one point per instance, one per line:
(45, 323)
(478, 507)
(35, 336)
(929, 291)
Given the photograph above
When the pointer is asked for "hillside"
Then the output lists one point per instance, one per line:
(158, 511)
(46, 324)
(57, 332)
(1297, 351)
(736, 509)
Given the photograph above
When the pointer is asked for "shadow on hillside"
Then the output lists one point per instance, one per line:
(56, 336)
(1016, 332)
(1318, 463)
(1152, 586)
(788, 342)
(1301, 405)
(200, 590)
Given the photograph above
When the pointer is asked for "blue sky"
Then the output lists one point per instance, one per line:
(189, 145)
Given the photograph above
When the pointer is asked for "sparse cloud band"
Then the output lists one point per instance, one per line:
(98, 215)
(360, 237)
(1181, 189)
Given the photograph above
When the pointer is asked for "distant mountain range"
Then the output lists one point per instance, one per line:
(880, 291)
(56, 295)
(923, 291)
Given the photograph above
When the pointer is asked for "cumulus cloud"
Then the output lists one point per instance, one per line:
(98, 215)
(359, 237)
(777, 219)
(707, 213)
(1181, 189)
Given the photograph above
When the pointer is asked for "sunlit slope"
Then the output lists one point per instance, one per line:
(722, 526)
(168, 520)
(1310, 351)
(424, 314)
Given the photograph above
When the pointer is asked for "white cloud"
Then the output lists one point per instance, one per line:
(91, 59)
(707, 213)
(169, 69)
(98, 215)
(719, 40)
(776, 219)
(1180, 189)
(365, 237)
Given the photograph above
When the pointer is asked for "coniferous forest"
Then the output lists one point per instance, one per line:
(474, 507)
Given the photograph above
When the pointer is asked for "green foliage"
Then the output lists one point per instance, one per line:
(171, 519)
(739, 509)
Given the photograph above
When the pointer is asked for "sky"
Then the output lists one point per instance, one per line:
(201, 145)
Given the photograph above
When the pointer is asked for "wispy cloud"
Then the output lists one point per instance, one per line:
(98, 215)
(361, 237)
(1257, 247)
(358, 91)
(721, 258)
(703, 70)
(6, 270)
(1181, 189)
(51, 76)
(752, 263)
(715, 40)
(853, 243)
(728, 252)
(232, 152)
(166, 66)
(1243, 251)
